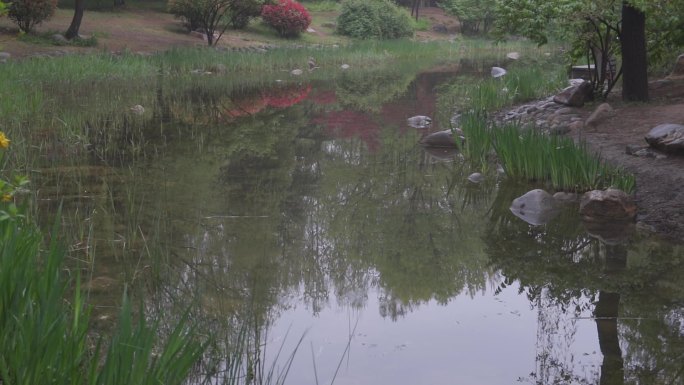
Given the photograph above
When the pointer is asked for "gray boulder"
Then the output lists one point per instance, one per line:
(513, 55)
(667, 137)
(498, 72)
(440, 139)
(476, 178)
(611, 205)
(4, 56)
(536, 207)
(574, 96)
(58, 38)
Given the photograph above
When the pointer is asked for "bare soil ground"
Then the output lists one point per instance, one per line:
(660, 182)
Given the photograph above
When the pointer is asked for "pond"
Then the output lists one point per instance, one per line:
(301, 219)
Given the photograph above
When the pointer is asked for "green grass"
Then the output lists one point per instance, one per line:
(321, 5)
(45, 335)
(533, 156)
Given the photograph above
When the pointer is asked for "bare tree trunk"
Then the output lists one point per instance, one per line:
(634, 66)
(79, 8)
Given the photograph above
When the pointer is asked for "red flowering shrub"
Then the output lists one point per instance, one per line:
(28, 13)
(288, 17)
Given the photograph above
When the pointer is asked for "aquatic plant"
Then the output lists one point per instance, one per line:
(534, 156)
(45, 339)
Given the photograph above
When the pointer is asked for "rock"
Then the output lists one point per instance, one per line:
(609, 205)
(667, 137)
(58, 38)
(678, 70)
(296, 72)
(574, 96)
(4, 56)
(476, 177)
(535, 207)
(218, 68)
(632, 149)
(440, 28)
(513, 55)
(310, 30)
(440, 139)
(565, 197)
(344, 66)
(601, 113)
(419, 121)
(498, 72)
(576, 125)
(137, 109)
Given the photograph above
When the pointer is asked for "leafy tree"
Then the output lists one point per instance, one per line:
(213, 17)
(3, 9)
(29, 13)
(598, 30)
(474, 15)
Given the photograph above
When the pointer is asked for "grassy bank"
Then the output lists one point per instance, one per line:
(527, 153)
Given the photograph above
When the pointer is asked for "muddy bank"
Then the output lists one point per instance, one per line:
(659, 177)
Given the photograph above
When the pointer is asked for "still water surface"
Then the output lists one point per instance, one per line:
(310, 207)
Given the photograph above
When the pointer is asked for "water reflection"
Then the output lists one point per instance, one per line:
(312, 206)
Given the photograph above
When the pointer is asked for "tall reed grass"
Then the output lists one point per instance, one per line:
(44, 331)
(531, 155)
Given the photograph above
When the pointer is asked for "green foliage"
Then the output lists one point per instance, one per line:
(373, 19)
(592, 28)
(475, 15)
(533, 156)
(11, 185)
(213, 17)
(188, 11)
(3, 9)
(44, 338)
(29, 13)
(521, 84)
(242, 11)
(322, 5)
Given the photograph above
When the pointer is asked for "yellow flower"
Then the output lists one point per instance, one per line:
(6, 198)
(4, 142)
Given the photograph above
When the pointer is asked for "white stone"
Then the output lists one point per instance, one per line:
(138, 109)
(498, 72)
(296, 72)
(345, 66)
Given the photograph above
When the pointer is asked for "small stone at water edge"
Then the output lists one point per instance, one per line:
(296, 72)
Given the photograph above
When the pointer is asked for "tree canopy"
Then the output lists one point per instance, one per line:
(599, 31)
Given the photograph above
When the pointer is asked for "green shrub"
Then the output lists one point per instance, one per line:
(29, 13)
(367, 19)
(188, 11)
(242, 11)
